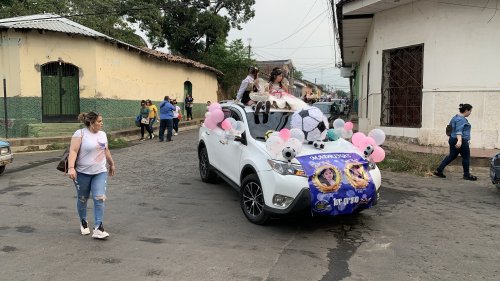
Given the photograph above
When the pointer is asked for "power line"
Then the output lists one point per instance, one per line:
(311, 34)
(291, 48)
(294, 33)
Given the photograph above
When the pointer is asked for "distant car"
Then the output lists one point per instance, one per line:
(342, 105)
(267, 186)
(6, 156)
(330, 110)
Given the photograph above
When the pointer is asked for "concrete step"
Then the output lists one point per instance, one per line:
(52, 129)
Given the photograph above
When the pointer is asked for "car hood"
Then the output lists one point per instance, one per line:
(338, 146)
(4, 143)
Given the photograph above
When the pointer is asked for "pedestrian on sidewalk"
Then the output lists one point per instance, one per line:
(459, 142)
(88, 155)
(188, 103)
(177, 117)
(145, 121)
(166, 119)
(153, 116)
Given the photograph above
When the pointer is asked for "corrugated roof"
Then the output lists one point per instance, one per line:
(56, 23)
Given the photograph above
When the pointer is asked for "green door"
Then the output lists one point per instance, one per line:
(188, 91)
(60, 93)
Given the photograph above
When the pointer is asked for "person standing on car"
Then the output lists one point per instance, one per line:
(166, 119)
(88, 155)
(459, 142)
(188, 104)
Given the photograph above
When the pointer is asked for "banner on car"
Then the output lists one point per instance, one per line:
(339, 182)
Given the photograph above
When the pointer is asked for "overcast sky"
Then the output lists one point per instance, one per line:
(300, 30)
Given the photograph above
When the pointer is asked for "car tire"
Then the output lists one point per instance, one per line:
(252, 200)
(2, 169)
(206, 171)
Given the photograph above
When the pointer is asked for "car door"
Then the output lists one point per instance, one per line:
(227, 156)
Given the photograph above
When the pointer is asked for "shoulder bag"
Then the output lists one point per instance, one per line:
(63, 163)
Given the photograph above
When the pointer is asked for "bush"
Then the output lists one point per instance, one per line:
(116, 143)
(398, 160)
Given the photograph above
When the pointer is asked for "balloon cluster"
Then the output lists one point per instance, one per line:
(285, 144)
(231, 127)
(370, 145)
(341, 129)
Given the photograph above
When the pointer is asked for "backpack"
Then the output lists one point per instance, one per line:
(449, 129)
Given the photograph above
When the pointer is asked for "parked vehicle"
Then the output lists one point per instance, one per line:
(6, 156)
(495, 170)
(267, 186)
(330, 110)
(342, 105)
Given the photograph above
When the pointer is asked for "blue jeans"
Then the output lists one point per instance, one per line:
(166, 124)
(152, 121)
(84, 185)
(464, 150)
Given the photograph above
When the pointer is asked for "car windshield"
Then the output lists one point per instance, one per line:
(324, 107)
(276, 121)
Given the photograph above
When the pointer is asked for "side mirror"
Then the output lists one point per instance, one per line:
(242, 139)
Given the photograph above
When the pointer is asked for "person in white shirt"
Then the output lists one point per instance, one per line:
(177, 116)
(88, 156)
(248, 86)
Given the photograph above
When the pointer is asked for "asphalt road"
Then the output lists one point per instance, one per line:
(166, 224)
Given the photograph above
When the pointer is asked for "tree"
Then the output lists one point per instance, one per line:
(297, 74)
(190, 27)
(342, 94)
(233, 61)
(105, 16)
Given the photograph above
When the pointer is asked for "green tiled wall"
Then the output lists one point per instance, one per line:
(117, 114)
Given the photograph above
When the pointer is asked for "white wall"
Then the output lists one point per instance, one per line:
(461, 65)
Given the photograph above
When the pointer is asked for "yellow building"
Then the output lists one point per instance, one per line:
(55, 68)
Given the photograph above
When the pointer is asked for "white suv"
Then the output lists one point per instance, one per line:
(267, 186)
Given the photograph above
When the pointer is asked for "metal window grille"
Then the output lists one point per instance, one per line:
(402, 76)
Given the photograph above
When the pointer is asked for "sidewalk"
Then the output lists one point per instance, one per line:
(20, 145)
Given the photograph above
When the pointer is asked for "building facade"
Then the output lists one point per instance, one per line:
(413, 62)
(54, 69)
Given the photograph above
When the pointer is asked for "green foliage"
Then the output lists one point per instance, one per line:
(105, 16)
(191, 27)
(297, 74)
(342, 94)
(232, 59)
(399, 160)
(114, 143)
(57, 146)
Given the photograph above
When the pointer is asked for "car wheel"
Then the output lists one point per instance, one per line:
(206, 172)
(252, 200)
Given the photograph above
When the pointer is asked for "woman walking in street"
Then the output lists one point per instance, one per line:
(459, 142)
(177, 116)
(145, 121)
(153, 116)
(88, 156)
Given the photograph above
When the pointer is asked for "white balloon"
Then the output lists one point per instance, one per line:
(338, 123)
(346, 134)
(207, 115)
(378, 135)
(297, 134)
(231, 120)
(238, 127)
(294, 143)
(275, 145)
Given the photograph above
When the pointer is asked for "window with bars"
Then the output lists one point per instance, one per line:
(402, 81)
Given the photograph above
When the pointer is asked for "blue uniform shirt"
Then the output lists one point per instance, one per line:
(460, 126)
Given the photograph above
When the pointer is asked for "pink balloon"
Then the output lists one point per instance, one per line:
(226, 125)
(369, 141)
(285, 134)
(378, 154)
(214, 106)
(209, 123)
(358, 138)
(348, 126)
(217, 115)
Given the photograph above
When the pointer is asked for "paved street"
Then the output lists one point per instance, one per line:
(165, 224)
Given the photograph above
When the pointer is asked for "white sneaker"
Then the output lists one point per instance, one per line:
(99, 233)
(84, 227)
(175, 134)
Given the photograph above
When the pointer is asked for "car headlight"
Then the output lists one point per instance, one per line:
(4, 150)
(285, 168)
